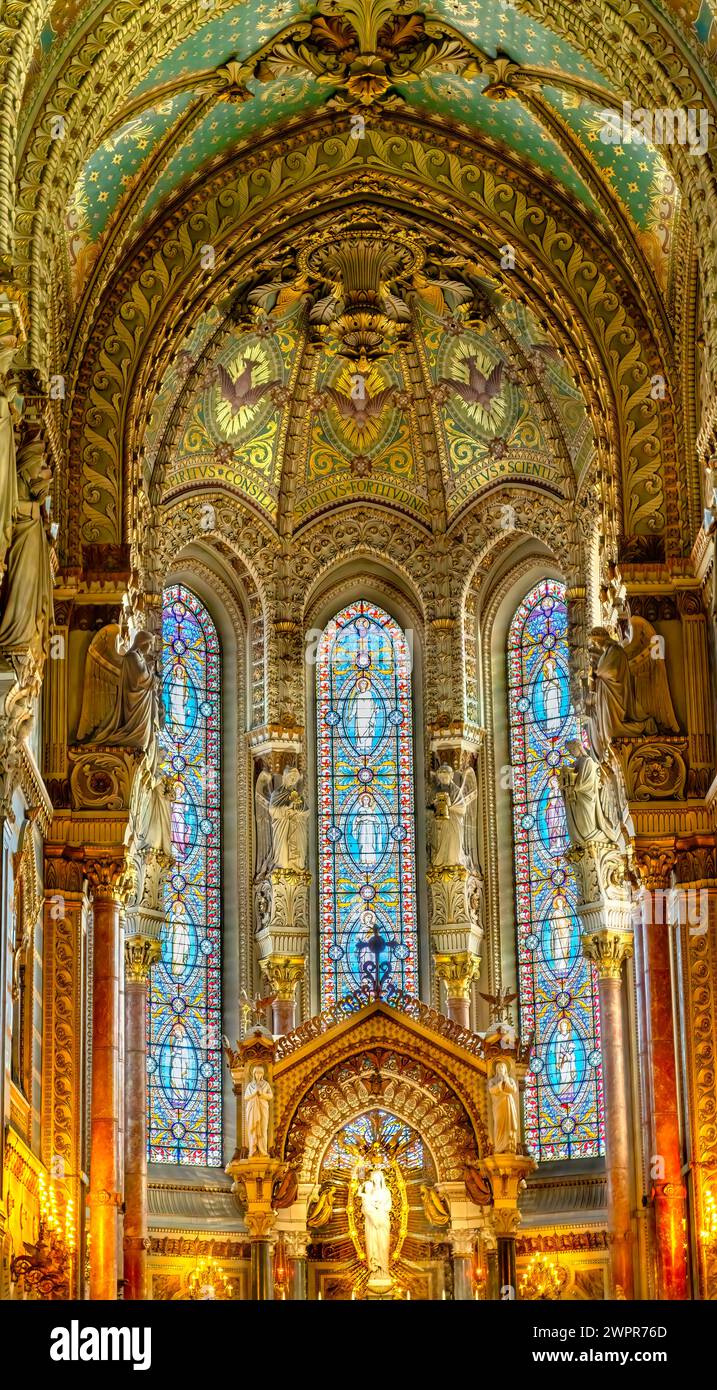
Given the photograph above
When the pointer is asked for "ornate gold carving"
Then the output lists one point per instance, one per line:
(283, 974)
(608, 950)
(458, 971)
(140, 954)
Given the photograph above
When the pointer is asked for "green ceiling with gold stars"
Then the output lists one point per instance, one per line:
(146, 159)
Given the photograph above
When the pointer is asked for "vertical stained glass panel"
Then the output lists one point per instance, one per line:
(184, 1018)
(558, 991)
(367, 875)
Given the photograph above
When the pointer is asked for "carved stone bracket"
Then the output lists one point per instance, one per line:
(101, 778)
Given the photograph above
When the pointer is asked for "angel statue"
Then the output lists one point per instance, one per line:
(120, 704)
(282, 823)
(453, 829)
(631, 693)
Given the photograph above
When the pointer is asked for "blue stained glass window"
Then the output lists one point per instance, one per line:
(564, 1115)
(367, 876)
(184, 1057)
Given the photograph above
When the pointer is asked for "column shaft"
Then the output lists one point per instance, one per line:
(507, 1277)
(617, 1133)
(667, 1185)
(459, 1011)
(105, 1197)
(262, 1283)
(284, 1015)
(135, 1124)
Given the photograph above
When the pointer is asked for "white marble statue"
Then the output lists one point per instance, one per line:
(282, 823)
(503, 1091)
(257, 1101)
(377, 1202)
(453, 823)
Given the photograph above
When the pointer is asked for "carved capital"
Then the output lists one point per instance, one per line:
(106, 872)
(458, 971)
(655, 865)
(463, 1243)
(297, 1244)
(140, 954)
(608, 950)
(283, 974)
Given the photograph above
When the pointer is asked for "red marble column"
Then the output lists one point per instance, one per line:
(104, 1196)
(664, 1159)
(140, 953)
(617, 1131)
(459, 1011)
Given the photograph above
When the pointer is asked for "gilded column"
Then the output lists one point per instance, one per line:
(63, 1026)
(105, 869)
(608, 948)
(698, 687)
(667, 1192)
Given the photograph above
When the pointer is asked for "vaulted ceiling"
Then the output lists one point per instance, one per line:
(184, 171)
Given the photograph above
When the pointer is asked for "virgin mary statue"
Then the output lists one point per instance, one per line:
(376, 1201)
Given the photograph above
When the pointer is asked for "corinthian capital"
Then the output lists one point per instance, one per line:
(608, 950)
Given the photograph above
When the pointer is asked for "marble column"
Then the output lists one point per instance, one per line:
(463, 1245)
(608, 949)
(297, 1243)
(140, 955)
(283, 974)
(105, 1198)
(458, 971)
(664, 1160)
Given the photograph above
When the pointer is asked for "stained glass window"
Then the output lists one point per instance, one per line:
(558, 991)
(367, 877)
(184, 1017)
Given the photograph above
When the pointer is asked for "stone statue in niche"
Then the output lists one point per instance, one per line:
(257, 1102)
(503, 1091)
(282, 823)
(452, 819)
(27, 587)
(613, 707)
(120, 705)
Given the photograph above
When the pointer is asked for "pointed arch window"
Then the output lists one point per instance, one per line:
(564, 1116)
(184, 1017)
(367, 873)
